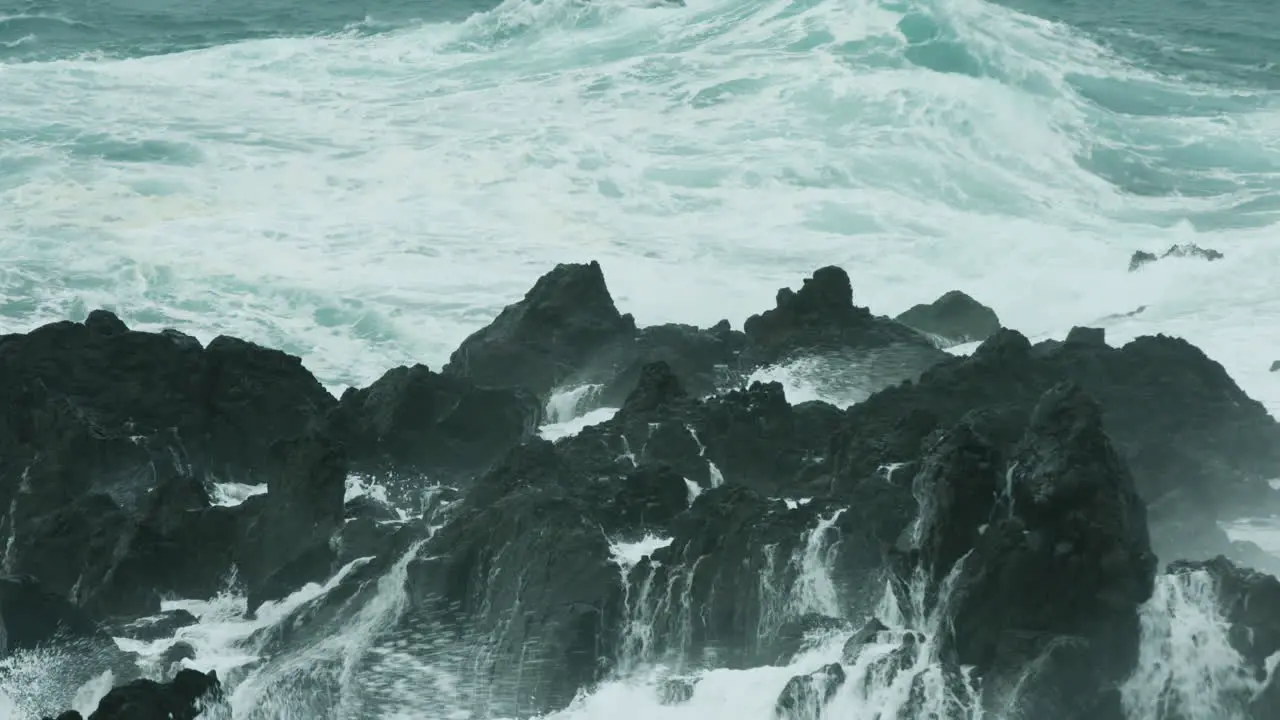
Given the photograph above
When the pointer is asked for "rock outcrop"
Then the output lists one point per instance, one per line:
(1057, 570)
(1188, 250)
(183, 698)
(952, 319)
(1199, 448)
(563, 324)
(820, 318)
(1010, 502)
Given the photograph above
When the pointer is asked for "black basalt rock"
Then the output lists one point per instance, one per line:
(1249, 601)
(723, 550)
(1199, 448)
(1059, 575)
(98, 422)
(183, 698)
(805, 696)
(413, 423)
(31, 617)
(1188, 250)
(286, 543)
(563, 323)
(953, 319)
(820, 318)
(704, 360)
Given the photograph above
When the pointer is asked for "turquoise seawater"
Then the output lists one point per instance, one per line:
(363, 183)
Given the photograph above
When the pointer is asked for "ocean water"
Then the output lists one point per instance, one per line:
(365, 183)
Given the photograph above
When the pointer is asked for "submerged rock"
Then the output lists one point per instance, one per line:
(1142, 258)
(156, 627)
(953, 319)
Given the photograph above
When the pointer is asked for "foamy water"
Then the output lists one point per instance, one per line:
(367, 201)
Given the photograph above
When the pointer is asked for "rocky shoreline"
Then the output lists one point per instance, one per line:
(1023, 495)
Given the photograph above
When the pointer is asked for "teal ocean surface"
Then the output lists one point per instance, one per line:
(363, 183)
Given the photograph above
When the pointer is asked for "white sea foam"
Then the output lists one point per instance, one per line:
(555, 431)
(629, 554)
(232, 493)
(368, 201)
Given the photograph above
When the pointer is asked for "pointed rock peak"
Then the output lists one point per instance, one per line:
(580, 286)
(1095, 337)
(105, 322)
(828, 289)
(954, 317)
(1005, 343)
(658, 387)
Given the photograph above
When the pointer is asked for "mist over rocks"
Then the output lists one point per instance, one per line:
(1020, 494)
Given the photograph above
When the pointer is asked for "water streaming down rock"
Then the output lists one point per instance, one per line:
(922, 553)
(1188, 667)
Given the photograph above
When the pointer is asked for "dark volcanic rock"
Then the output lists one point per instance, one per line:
(1249, 602)
(954, 318)
(704, 360)
(861, 639)
(805, 696)
(563, 323)
(1198, 447)
(183, 698)
(530, 571)
(1275, 366)
(98, 424)
(957, 486)
(227, 403)
(567, 332)
(820, 318)
(1059, 575)
(418, 423)
(721, 549)
(287, 543)
(1141, 258)
(31, 617)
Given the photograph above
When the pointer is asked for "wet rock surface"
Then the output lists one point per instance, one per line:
(952, 319)
(1142, 258)
(1000, 514)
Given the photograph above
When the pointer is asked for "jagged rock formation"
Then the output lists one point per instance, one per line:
(183, 698)
(1021, 494)
(1141, 258)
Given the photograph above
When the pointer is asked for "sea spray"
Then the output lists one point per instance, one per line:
(1187, 668)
